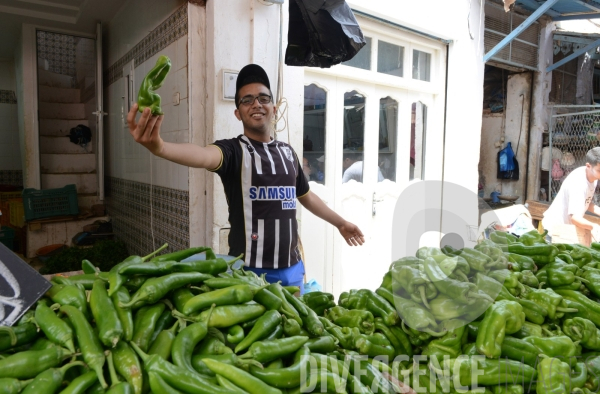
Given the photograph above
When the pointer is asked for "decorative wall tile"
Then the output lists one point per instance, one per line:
(58, 50)
(174, 27)
(133, 216)
(8, 97)
(11, 177)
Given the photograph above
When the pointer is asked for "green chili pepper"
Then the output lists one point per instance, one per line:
(228, 296)
(88, 341)
(154, 289)
(415, 315)
(50, 380)
(553, 376)
(535, 312)
(286, 307)
(295, 302)
(519, 350)
(184, 254)
(533, 250)
(550, 300)
(124, 315)
(557, 346)
(152, 82)
(12, 386)
(583, 331)
(500, 318)
(284, 378)
(525, 263)
(180, 296)
(159, 386)
(477, 260)
(176, 377)
(165, 321)
(363, 320)
(533, 237)
(528, 330)
(444, 308)
(55, 329)
(117, 387)
(325, 344)
(110, 330)
(464, 292)
(261, 329)
(235, 334)
(186, 341)
(312, 323)
(18, 335)
(212, 346)
(227, 315)
(290, 327)
(28, 364)
(529, 279)
(415, 283)
(593, 281)
(163, 343)
(128, 365)
(145, 325)
(588, 309)
(70, 295)
(116, 280)
(241, 378)
(80, 384)
(269, 300)
(495, 371)
(265, 351)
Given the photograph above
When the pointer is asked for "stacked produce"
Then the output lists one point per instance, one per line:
(519, 315)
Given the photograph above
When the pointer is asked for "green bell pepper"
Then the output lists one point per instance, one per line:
(152, 82)
(502, 317)
(583, 331)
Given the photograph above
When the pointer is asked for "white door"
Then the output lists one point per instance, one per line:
(370, 130)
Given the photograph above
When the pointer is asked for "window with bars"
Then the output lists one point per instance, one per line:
(564, 81)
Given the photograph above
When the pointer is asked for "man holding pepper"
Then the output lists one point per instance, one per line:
(262, 179)
(574, 198)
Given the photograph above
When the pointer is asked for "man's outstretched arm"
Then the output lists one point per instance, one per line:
(146, 132)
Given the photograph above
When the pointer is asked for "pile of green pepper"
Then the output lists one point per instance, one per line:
(522, 313)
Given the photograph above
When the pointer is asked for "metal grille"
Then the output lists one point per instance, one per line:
(522, 51)
(564, 81)
(574, 130)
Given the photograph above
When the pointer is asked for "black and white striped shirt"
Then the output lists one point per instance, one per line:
(262, 182)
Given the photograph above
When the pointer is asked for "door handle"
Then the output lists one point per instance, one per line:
(99, 113)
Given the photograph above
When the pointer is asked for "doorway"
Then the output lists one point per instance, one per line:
(67, 101)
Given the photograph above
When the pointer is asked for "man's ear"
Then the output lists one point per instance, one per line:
(236, 112)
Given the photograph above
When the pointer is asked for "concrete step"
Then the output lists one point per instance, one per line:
(51, 144)
(55, 163)
(59, 127)
(61, 111)
(48, 78)
(58, 95)
(86, 183)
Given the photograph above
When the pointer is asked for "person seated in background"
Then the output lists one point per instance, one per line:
(574, 198)
(353, 167)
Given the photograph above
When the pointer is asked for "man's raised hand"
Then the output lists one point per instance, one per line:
(147, 130)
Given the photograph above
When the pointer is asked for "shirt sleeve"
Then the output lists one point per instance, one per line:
(302, 187)
(227, 148)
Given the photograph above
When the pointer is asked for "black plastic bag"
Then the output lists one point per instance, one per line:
(322, 33)
(80, 135)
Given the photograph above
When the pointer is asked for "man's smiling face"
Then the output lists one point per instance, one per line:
(255, 116)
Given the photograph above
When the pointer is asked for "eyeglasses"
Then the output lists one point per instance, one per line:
(262, 98)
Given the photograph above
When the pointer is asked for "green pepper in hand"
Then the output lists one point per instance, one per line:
(153, 80)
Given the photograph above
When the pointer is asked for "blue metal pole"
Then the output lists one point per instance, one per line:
(526, 23)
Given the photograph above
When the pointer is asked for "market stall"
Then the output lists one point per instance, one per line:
(511, 315)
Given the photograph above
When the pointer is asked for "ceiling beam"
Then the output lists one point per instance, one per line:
(533, 5)
(591, 15)
(575, 54)
(51, 4)
(586, 4)
(526, 23)
(38, 14)
(577, 40)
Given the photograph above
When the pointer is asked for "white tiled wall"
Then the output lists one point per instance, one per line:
(125, 158)
(10, 156)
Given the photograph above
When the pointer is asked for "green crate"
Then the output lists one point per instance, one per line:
(48, 203)
(7, 237)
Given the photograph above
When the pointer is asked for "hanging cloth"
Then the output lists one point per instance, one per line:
(322, 33)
